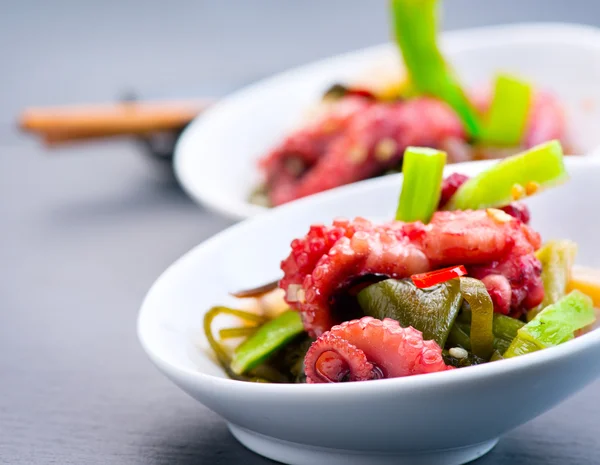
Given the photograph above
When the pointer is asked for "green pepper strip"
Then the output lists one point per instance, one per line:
(512, 178)
(421, 186)
(507, 116)
(554, 325)
(232, 333)
(415, 25)
(222, 356)
(557, 258)
(482, 316)
(266, 340)
(505, 330)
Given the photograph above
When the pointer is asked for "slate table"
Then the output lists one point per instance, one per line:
(85, 230)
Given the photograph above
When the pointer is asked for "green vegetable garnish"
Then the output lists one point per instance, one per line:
(431, 311)
(496, 356)
(421, 186)
(265, 341)
(504, 327)
(512, 178)
(554, 325)
(223, 357)
(482, 314)
(415, 27)
(232, 333)
(507, 116)
(557, 259)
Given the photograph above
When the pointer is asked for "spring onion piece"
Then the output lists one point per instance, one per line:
(586, 280)
(482, 316)
(512, 178)
(557, 259)
(415, 25)
(554, 325)
(431, 311)
(507, 116)
(421, 189)
(265, 341)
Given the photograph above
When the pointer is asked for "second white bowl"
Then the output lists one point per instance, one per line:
(216, 157)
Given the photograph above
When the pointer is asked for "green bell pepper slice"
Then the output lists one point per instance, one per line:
(431, 311)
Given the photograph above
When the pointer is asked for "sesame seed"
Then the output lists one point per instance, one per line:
(499, 216)
(517, 191)
(358, 154)
(531, 187)
(458, 352)
(385, 149)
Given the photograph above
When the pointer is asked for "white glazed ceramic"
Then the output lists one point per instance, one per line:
(215, 159)
(436, 419)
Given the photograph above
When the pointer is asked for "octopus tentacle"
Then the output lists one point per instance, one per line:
(365, 253)
(298, 152)
(307, 251)
(368, 348)
(372, 141)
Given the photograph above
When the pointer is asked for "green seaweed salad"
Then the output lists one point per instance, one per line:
(351, 307)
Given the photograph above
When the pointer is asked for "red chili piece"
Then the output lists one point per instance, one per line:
(432, 278)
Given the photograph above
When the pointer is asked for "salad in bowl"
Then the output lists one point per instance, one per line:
(457, 278)
(412, 327)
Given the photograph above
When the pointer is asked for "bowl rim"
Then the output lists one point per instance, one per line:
(145, 319)
(459, 40)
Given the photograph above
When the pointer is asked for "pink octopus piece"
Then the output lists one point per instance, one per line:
(366, 349)
(325, 268)
(358, 138)
(372, 140)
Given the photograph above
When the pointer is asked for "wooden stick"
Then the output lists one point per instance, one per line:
(65, 124)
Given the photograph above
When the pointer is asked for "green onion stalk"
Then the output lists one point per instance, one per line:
(512, 178)
(415, 28)
(421, 186)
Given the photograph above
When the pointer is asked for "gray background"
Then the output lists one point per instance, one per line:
(85, 230)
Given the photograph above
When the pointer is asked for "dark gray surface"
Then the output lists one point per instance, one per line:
(85, 231)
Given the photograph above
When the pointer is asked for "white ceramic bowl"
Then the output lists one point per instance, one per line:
(436, 419)
(215, 159)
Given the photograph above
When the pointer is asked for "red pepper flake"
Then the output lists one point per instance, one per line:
(432, 278)
(360, 92)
